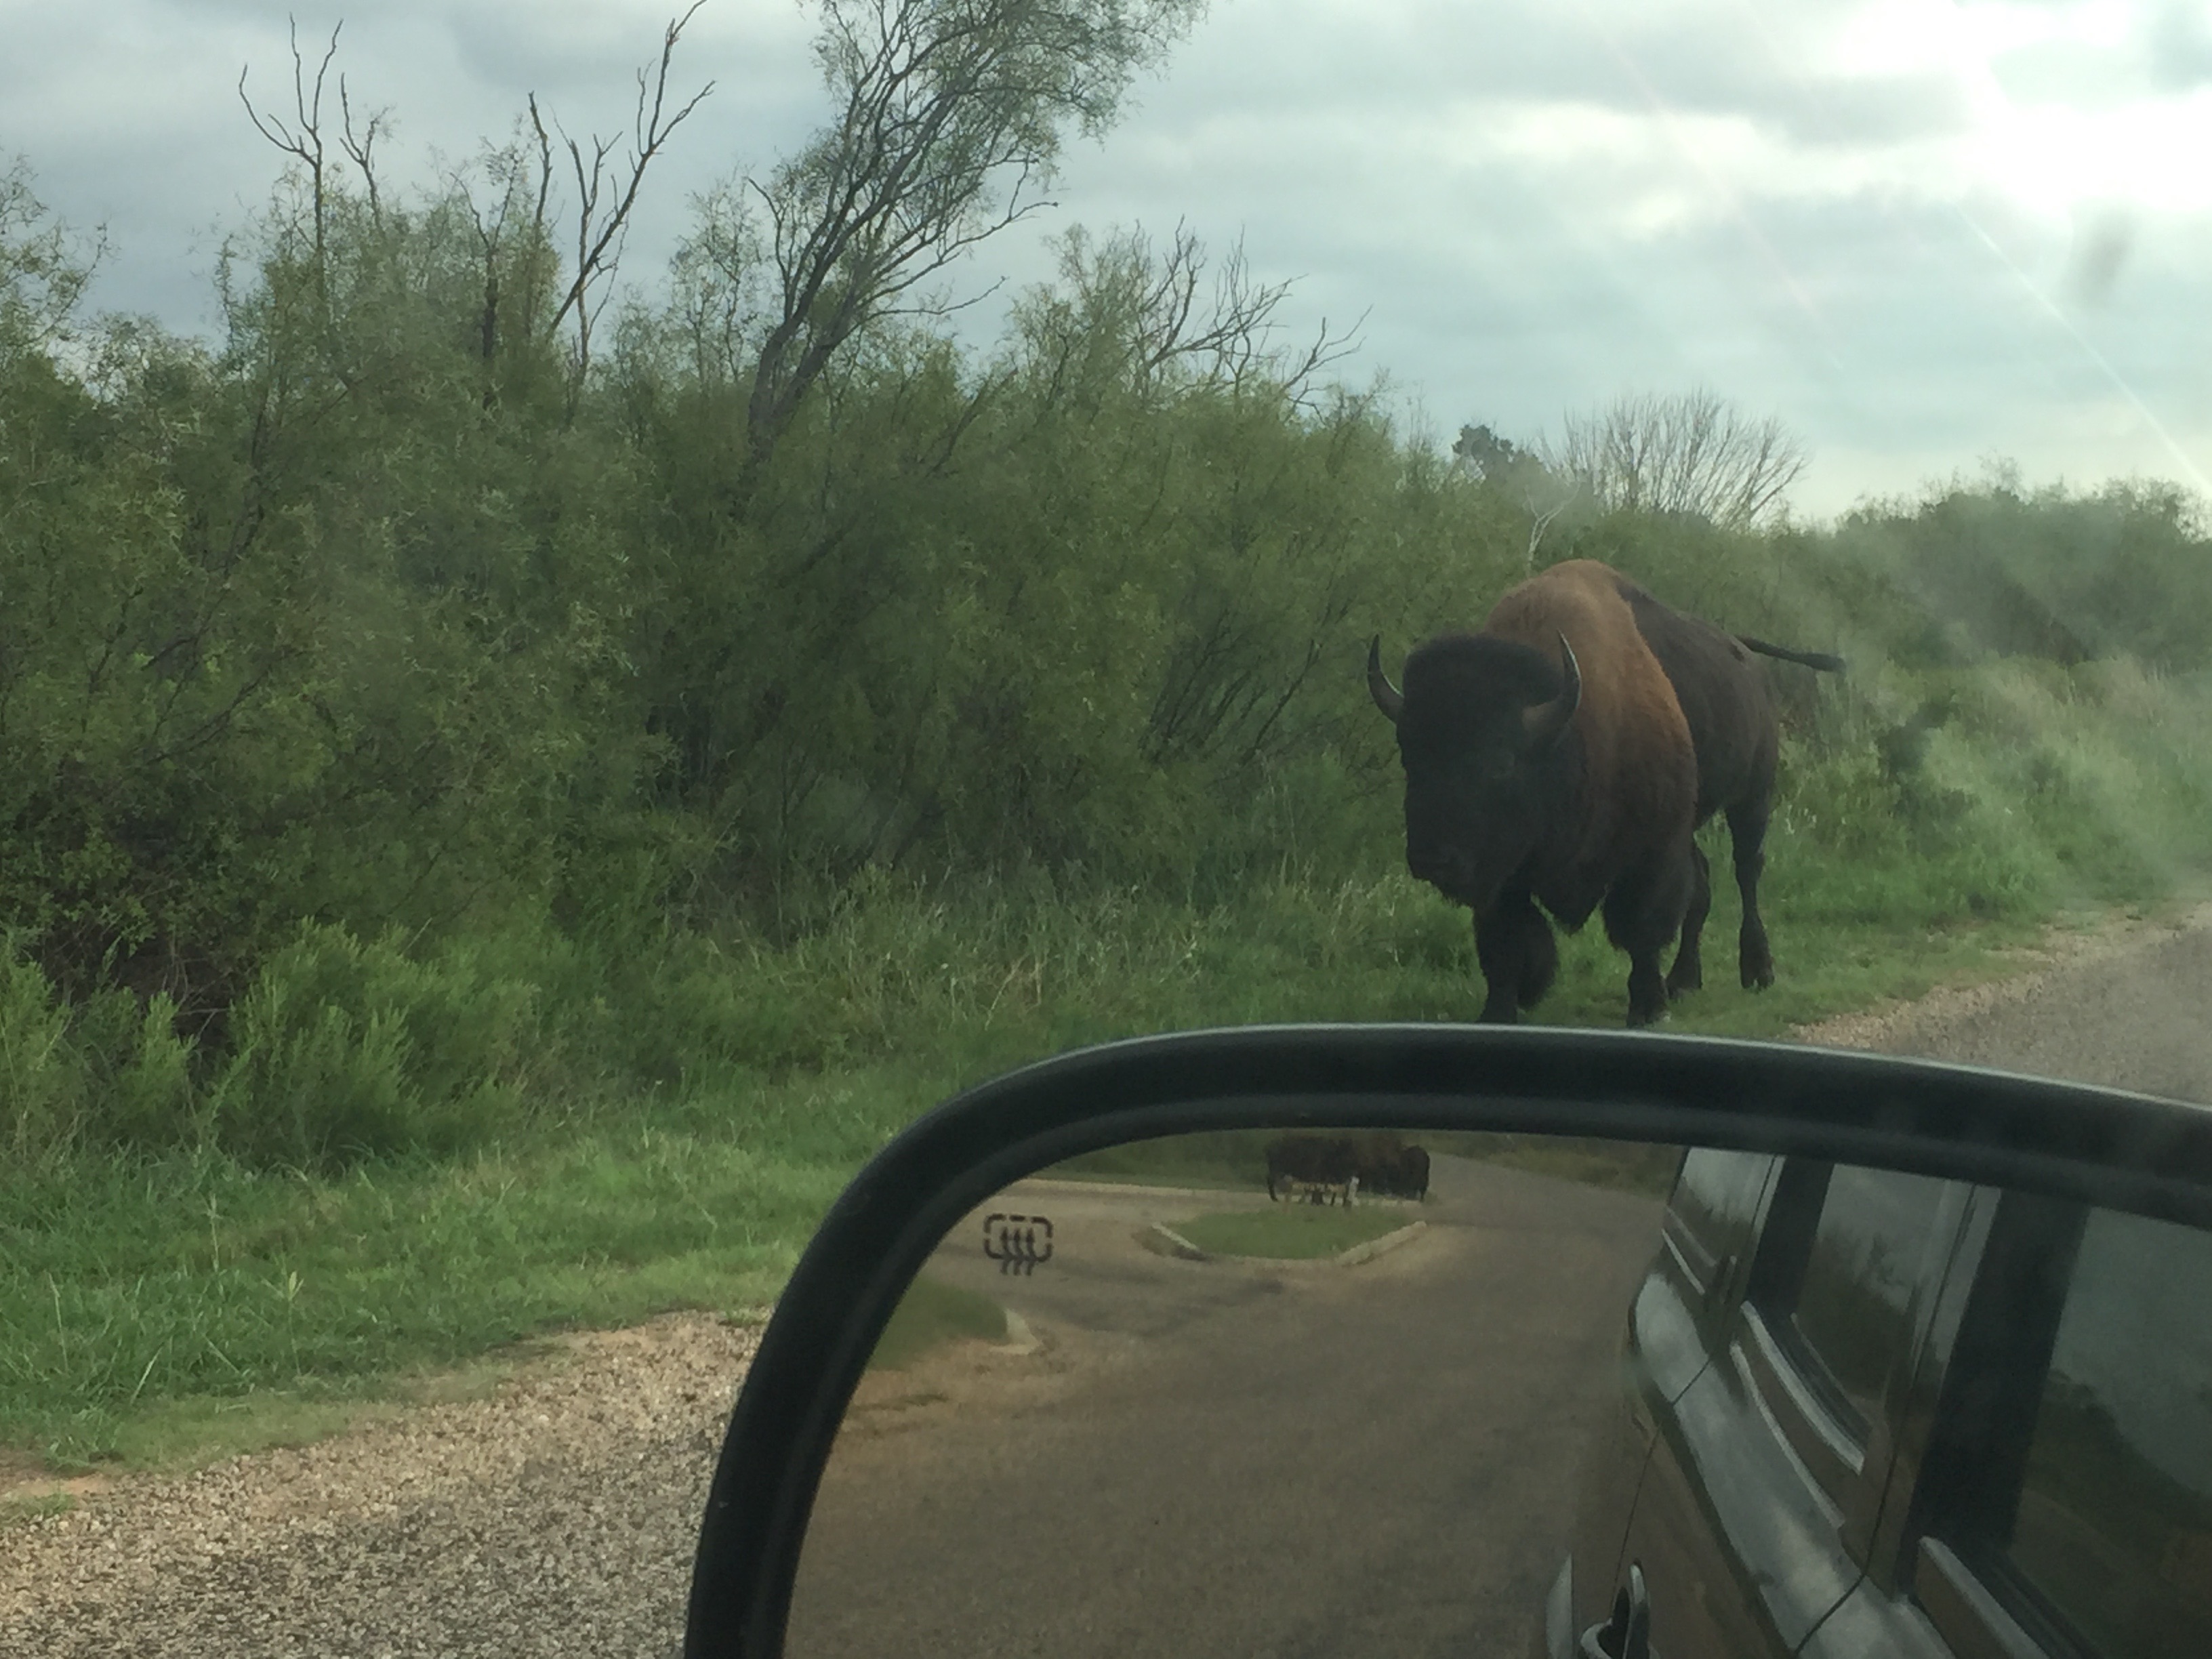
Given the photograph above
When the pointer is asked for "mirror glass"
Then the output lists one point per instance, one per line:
(1354, 1392)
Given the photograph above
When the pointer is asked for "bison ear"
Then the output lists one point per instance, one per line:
(1388, 697)
(1545, 723)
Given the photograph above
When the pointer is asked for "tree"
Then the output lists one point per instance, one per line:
(950, 122)
(1505, 465)
(1693, 453)
(42, 276)
(517, 232)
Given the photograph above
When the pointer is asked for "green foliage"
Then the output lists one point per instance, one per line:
(412, 735)
(101, 1073)
(344, 1050)
(2046, 575)
(42, 277)
(42, 1080)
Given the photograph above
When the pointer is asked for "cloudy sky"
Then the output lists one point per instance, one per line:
(1926, 235)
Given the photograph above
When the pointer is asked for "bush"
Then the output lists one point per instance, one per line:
(343, 1051)
(42, 1081)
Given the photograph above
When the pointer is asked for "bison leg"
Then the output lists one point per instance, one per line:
(1643, 913)
(1688, 973)
(1748, 836)
(1518, 955)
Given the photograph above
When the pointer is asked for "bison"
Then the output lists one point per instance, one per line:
(1309, 1161)
(1379, 1163)
(1411, 1178)
(1564, 755)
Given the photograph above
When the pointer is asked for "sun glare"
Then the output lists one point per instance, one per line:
(2067, 111)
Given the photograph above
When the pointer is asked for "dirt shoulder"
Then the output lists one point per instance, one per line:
(2119, 1002)
(562, 1506)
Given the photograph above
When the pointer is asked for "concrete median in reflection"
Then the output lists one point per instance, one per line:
(1163, 1240)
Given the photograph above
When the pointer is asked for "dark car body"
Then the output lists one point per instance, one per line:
(1867, 1412)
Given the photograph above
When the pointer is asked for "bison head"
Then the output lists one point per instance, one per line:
(1481, 724)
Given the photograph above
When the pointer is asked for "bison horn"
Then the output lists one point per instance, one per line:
(1388, 697)
(1546, 722)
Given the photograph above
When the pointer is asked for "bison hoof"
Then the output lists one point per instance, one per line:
(1685, 980)
(1757, 976)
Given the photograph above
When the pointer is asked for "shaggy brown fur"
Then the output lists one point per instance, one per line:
(1640, 770)
(1506, 810)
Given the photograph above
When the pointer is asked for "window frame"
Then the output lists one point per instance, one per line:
(1849, 1460)
(1986, 1392)
(1713, 1282)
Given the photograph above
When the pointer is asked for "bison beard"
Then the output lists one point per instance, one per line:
(1564, 757)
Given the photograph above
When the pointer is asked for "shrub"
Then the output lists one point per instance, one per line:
(344, 1050)
(42, 1083)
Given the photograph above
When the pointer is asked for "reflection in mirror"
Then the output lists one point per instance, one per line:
(1238, 1394)
(1352, 1393)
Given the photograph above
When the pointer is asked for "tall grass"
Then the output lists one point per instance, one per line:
(404, 1159)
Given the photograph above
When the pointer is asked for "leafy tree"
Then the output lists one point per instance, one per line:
(42, 277)
(1520, 474)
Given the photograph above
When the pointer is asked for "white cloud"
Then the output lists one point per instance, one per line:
(1888, 220)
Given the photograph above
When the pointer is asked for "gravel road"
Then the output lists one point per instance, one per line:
(1231, 1456)
(556, 1516)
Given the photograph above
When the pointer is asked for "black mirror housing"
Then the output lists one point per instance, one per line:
(2124, 1152)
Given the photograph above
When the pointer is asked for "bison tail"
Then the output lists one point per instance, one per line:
(1818, 660)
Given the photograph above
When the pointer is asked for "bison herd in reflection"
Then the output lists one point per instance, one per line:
(1563, 755)
(1336, 1169)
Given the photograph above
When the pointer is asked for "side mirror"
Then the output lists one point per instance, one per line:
(1393, 1339)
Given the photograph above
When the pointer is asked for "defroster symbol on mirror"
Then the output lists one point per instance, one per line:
(1017, 1243)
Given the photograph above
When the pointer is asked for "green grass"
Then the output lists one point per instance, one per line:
(16, 1510)
(156, 1308)
(931, 1314)
(1232, 1160)
(1293, 1232)
(164, 1309)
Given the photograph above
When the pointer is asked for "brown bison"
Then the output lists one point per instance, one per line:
(1564, 755)
(1310, 1162)
(1321, 1164)
(1410, 1178)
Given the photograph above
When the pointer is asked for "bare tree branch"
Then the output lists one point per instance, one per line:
(1692, 454)
(600, 236)
(948, 130)
(305, 140)
(362, 149)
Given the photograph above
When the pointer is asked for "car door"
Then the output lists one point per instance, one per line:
(1674, 1328)
(1764, 1488)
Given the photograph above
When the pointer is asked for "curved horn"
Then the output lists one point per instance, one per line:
(1388, 697)
(1545, 723)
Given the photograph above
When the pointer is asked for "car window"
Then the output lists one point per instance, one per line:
(2114, 1528)
(1715, 1200)
(1838, 1267)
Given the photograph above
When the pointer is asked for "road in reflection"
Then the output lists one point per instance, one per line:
(1169, 1456)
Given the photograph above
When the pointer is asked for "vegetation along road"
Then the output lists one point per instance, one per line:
(554, 1518)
